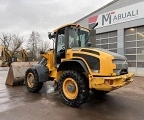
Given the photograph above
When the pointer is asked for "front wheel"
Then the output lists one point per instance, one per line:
(32, 82)
(73, 88)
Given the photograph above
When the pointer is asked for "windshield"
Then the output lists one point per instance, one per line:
(78, 37)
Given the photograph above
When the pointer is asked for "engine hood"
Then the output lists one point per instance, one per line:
(115, 55)
(95, 51)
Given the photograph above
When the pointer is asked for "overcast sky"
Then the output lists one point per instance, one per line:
(23, 16)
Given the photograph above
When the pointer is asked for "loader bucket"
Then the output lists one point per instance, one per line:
(16, 73)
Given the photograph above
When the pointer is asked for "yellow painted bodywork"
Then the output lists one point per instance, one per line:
(101, 83)
(106, 65)
(105, 73)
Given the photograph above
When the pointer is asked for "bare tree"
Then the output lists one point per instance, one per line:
(6, 39)
(34, 44)
(45, 45)
(16, 43)
(11, 41)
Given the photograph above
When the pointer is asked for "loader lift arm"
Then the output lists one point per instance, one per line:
(24, 55)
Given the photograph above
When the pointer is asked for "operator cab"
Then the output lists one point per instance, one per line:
(69, 37)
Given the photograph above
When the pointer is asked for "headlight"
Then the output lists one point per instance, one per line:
(121, 66)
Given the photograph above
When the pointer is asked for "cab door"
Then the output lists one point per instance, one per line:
(60, 45)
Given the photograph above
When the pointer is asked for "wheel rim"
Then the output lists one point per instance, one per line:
(70, 88)
(30, 80)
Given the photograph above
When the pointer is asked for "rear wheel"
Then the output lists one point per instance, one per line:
(73, 88)
(32, 82)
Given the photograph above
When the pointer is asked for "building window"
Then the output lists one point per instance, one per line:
(134, 46)
(107, 41)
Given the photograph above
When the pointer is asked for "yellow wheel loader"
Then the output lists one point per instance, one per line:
(24, 55)
(77, 67)
(6, 57)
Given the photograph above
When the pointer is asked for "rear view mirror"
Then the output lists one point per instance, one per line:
(51, 35)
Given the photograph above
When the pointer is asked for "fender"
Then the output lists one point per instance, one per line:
(76, 65)
(42, 71)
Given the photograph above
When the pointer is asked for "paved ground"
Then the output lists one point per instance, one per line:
(16, 103)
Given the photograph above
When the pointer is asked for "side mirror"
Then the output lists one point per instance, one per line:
(42, 52)
(51, 35)
(89, 44)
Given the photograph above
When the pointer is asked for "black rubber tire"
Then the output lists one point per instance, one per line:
(83, 88)
(99, 92)
(37, 85)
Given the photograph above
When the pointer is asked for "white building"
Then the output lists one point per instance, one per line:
(120, 29)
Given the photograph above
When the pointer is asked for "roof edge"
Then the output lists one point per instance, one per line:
(97, 10)
(71, 24)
